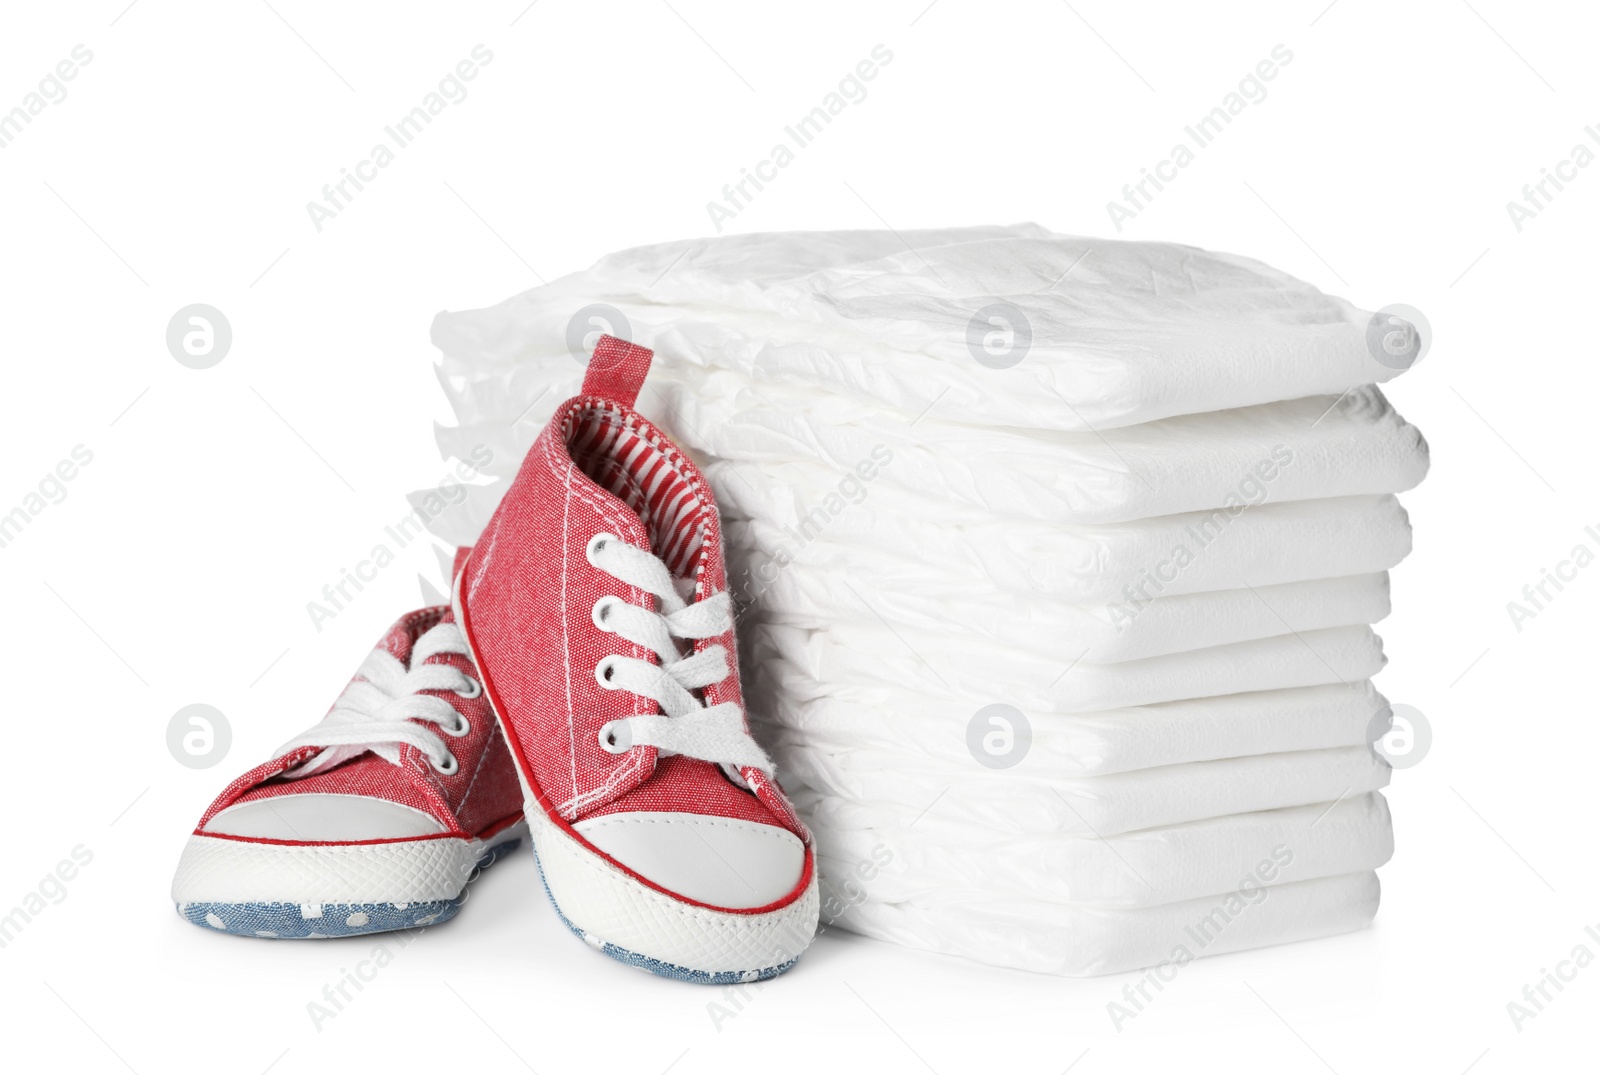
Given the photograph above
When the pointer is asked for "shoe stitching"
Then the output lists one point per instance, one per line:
(700, 821)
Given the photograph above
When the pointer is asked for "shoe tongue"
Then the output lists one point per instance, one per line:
(684, 586)
(401, 638)
(400, 642)
(364, 774)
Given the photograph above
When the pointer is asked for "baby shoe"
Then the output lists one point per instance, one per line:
(596, 607)
(373, 820)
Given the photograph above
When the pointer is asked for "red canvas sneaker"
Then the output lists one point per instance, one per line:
(373, 820)
(597, 610)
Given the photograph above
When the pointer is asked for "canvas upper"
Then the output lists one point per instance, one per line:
(375, 819)
(363, 796)
(692, 814)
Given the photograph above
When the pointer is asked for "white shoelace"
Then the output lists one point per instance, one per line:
(375, 711)
(686, 724)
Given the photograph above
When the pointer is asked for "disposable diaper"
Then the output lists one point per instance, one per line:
(1091, 806)
(932, 857)
(1116, 332)
(1293, 450)
(778, 514)
(870, 660)
(1062, 938)
(929, 731)
(803, 595)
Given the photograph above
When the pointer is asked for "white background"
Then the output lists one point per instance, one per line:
(219, 502)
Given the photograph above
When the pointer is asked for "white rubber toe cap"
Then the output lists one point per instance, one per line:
(323, 818)
(721, 861)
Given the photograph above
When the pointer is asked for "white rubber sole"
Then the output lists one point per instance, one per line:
(617, 914)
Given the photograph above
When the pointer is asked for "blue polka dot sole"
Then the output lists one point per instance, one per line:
(289, 920)
(672, 970)
(317, 921)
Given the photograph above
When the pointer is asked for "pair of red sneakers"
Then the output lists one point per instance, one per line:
(582, 689)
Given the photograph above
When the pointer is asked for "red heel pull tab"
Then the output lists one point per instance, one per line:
(617, 370)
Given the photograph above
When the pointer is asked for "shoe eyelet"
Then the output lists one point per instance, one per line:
(450, 767)
(601, 611)
(605, 671)
(472, 690)
(597, 543)
(460, 728)
(616, 737)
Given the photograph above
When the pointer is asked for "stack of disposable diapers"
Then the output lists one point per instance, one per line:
(1056, 558)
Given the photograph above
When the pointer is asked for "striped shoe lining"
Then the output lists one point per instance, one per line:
(646, 476)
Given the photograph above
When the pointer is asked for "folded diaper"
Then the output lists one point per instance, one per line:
(1063, 938)
(801, 595)
(1301, 449)
(1060, 746)
(1005, 802)
(930, 857)
(1112, 333)
(865, 661)
(778, 514)
(1322, 446)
